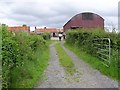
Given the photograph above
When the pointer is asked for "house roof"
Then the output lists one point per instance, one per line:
(19, 28)
(49, 30)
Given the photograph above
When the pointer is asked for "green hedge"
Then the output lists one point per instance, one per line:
(46, 36)
(17, 49)
(83, 38)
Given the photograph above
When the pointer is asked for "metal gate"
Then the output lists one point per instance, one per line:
(102, 48)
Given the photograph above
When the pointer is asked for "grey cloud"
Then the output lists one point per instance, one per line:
(52, 12)
(34, 10)
(34, 14)
(22, 17)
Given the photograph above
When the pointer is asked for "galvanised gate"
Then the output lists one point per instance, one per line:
(102, 48)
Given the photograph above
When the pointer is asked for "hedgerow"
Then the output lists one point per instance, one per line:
(83, 38)
(17, 49)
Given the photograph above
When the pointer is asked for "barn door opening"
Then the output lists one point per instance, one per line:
(54, 35)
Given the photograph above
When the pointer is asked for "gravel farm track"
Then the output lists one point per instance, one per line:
(87, 77)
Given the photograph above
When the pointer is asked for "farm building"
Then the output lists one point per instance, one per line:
(85, 20)
(53, 31)
(19, 28)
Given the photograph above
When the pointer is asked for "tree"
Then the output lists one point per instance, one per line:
(24, 25)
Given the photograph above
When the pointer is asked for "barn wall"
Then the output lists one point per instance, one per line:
(67, 26)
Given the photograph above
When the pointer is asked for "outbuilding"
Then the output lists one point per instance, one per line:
(53, 31)
(85, 20)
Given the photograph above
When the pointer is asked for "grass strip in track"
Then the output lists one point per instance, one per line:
(65, 60)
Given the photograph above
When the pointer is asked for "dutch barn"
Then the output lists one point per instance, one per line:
(85, 20)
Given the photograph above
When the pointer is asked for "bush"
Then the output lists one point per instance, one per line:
(83, 38)
(46, 36)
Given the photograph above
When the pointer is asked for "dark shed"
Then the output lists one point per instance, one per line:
(85, 20)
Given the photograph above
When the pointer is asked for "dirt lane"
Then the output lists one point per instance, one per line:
(88, 77)
(54, 74)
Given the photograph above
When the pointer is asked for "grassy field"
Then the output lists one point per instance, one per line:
(65, 60)
(96, 63)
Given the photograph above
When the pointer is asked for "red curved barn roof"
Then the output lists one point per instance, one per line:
(82, 13)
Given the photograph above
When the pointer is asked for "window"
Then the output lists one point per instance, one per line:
(87, 16)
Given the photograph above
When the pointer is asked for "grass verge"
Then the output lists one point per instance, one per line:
(96, 63)
(65, 60)
(28, 75)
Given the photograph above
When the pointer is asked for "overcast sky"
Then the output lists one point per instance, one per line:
(54, 13)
